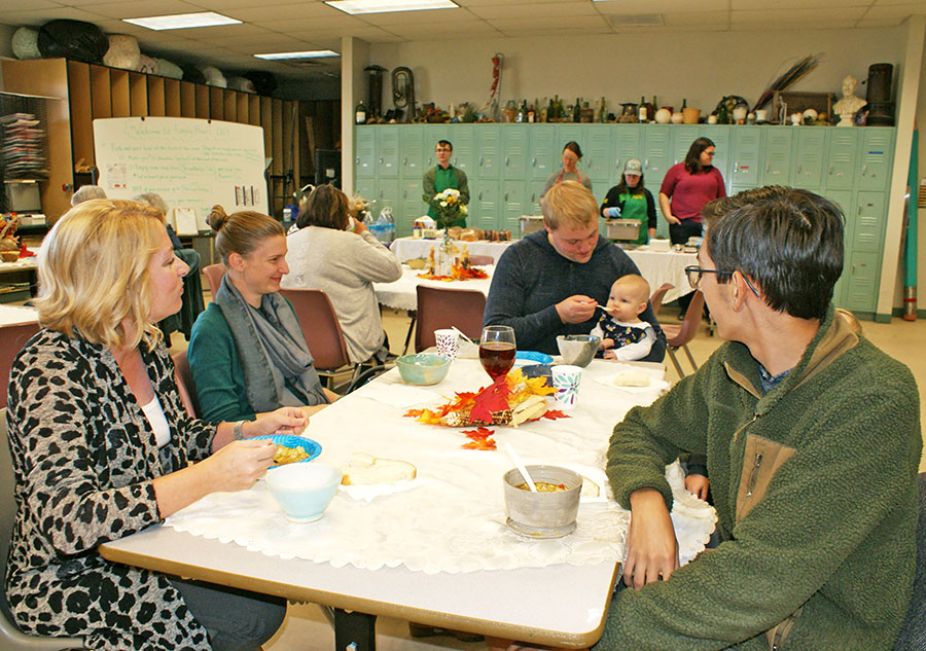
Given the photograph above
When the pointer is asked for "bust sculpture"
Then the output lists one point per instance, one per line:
(848, 106)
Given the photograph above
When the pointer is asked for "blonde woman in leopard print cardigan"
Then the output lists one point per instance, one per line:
(102, 447)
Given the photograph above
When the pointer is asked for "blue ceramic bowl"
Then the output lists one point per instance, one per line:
(304, 490)
(423, 369)
(312, 448)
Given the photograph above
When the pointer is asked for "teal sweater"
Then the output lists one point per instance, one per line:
(816, 495)
(220, 392)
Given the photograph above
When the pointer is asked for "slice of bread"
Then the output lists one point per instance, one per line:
(365, 469)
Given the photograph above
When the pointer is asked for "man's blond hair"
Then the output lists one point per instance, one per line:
(93, 272)
(569, 203)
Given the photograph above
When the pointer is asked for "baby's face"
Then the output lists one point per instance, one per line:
(624, 304)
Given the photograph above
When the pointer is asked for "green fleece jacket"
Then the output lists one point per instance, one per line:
(816, 495)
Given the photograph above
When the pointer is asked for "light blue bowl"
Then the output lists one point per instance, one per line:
(304, 490)
(312, 448)
(423, 369)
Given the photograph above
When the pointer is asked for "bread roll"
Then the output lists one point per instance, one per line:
(366, 469)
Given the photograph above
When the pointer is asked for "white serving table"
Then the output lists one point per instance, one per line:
(402, 293)
(559, 603)
(11, 315)
(406, 248)
(657, 267)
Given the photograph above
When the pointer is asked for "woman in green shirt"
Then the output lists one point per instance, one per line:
(629, 199)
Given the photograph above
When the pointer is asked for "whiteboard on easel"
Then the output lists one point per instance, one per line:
(193, 164)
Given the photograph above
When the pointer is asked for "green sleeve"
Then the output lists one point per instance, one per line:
(217, 375)
(462, 186)
(427, 183)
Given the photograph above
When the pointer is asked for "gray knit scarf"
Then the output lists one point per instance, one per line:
(272, 350)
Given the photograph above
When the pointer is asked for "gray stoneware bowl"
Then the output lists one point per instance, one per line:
(578, 350)
(542, 515)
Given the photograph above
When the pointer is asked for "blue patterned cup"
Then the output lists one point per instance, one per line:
(566, 382)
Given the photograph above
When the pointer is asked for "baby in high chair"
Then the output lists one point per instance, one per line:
(624, 335)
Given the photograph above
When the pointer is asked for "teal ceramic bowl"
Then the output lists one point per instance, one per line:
(304, 490)
(423, 369)
(312, 448)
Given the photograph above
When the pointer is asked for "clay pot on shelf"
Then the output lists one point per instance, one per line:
(691, 115)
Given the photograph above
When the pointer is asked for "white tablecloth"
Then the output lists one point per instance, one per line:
(402, 294)
(660, 267)
(452, 516)
(406, 248)
(23, 264)
(11, 315)
(657, 267)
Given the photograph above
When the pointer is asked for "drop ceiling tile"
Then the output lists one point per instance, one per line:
(340, 23)
(411, 17)
(883, 3)
(809, 18)
(776, 5)
(625, 7)
(17, 5)
(696, 18)
(440, 31)
(141, 8)
(282, 11)
(516, 27)
(895, 11)
(566, 10)
(482, 3)
(37, 17)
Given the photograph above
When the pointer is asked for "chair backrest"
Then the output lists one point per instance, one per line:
(689, 327)
(442, 308)
(913, 634)
(214, 273)
(320, 327)
(12, 339)
(481, 259)
(656, 299)
(184, 378)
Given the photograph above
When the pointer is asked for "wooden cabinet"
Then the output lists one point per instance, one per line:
(90, 91)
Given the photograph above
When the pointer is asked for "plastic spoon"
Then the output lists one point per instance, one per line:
(516, 460)
(460, 332)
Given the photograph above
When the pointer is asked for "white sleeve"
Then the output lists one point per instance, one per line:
(639, 350)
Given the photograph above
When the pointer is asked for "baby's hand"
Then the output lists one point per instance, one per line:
(610, 354)
(607, 343)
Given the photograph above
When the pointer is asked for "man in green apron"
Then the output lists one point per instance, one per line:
(443, 176)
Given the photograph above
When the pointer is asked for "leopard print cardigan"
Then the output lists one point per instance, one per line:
(84, 458)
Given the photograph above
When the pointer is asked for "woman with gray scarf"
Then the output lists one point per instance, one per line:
(247, 352)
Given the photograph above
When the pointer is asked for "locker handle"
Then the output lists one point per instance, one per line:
(646, 164)
(767, 168)
(507, 159)
(864, 169)
(480, 196)
(506, 196)
(534, 162)
(482, 162)
(736, 167)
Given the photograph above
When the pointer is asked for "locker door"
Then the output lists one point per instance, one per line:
(365, 152)
(514, 204)
(628, 143)
(776, 167)
(862, 282)
(544, 154)
(808, 163)
(387, 151)
(488, 160)
(514, 151)
(877, 147)
(841, 158)
(484, 208)
(598, 157)
(412, 151)
(744, 172)
(657, 154)
(870, 217)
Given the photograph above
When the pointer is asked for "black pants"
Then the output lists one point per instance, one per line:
(679, 234)
(237, 620)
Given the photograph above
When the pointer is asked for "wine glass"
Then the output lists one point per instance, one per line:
(496, 350)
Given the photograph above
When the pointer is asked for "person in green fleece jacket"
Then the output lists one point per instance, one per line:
(812, 438)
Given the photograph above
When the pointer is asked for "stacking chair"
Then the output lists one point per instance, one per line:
(184, 379)
(12, 339)
(656, 299)
(443, 308)
(481, 259)
(214, 273)
(678, 336)
(322, 333)
(11, 639)
(913, 633)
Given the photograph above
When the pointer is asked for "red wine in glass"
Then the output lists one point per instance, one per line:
(496, 350)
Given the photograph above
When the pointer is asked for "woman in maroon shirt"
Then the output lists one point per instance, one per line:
(686, 189)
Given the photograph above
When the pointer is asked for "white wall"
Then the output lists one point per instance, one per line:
(699, 67)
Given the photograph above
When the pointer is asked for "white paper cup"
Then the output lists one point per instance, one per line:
(448, 342)
(566, 380)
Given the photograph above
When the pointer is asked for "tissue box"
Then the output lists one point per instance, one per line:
(660, 245)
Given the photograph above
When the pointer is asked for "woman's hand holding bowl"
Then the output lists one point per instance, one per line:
(239, 464)
(285, 420)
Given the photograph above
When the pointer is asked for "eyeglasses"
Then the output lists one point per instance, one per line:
(694, 274)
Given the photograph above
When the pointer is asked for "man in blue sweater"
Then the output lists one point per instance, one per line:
(551, 282)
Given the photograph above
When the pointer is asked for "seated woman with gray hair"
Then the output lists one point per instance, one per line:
(247, 352)
(87, 193)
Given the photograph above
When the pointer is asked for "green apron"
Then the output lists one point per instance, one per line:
(635, 208)
(443, 179)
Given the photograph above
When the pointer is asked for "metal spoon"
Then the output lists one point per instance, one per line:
(519, 464)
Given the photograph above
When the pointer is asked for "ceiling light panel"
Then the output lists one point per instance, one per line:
(183, 21)
(307, 54)
(357, 7)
